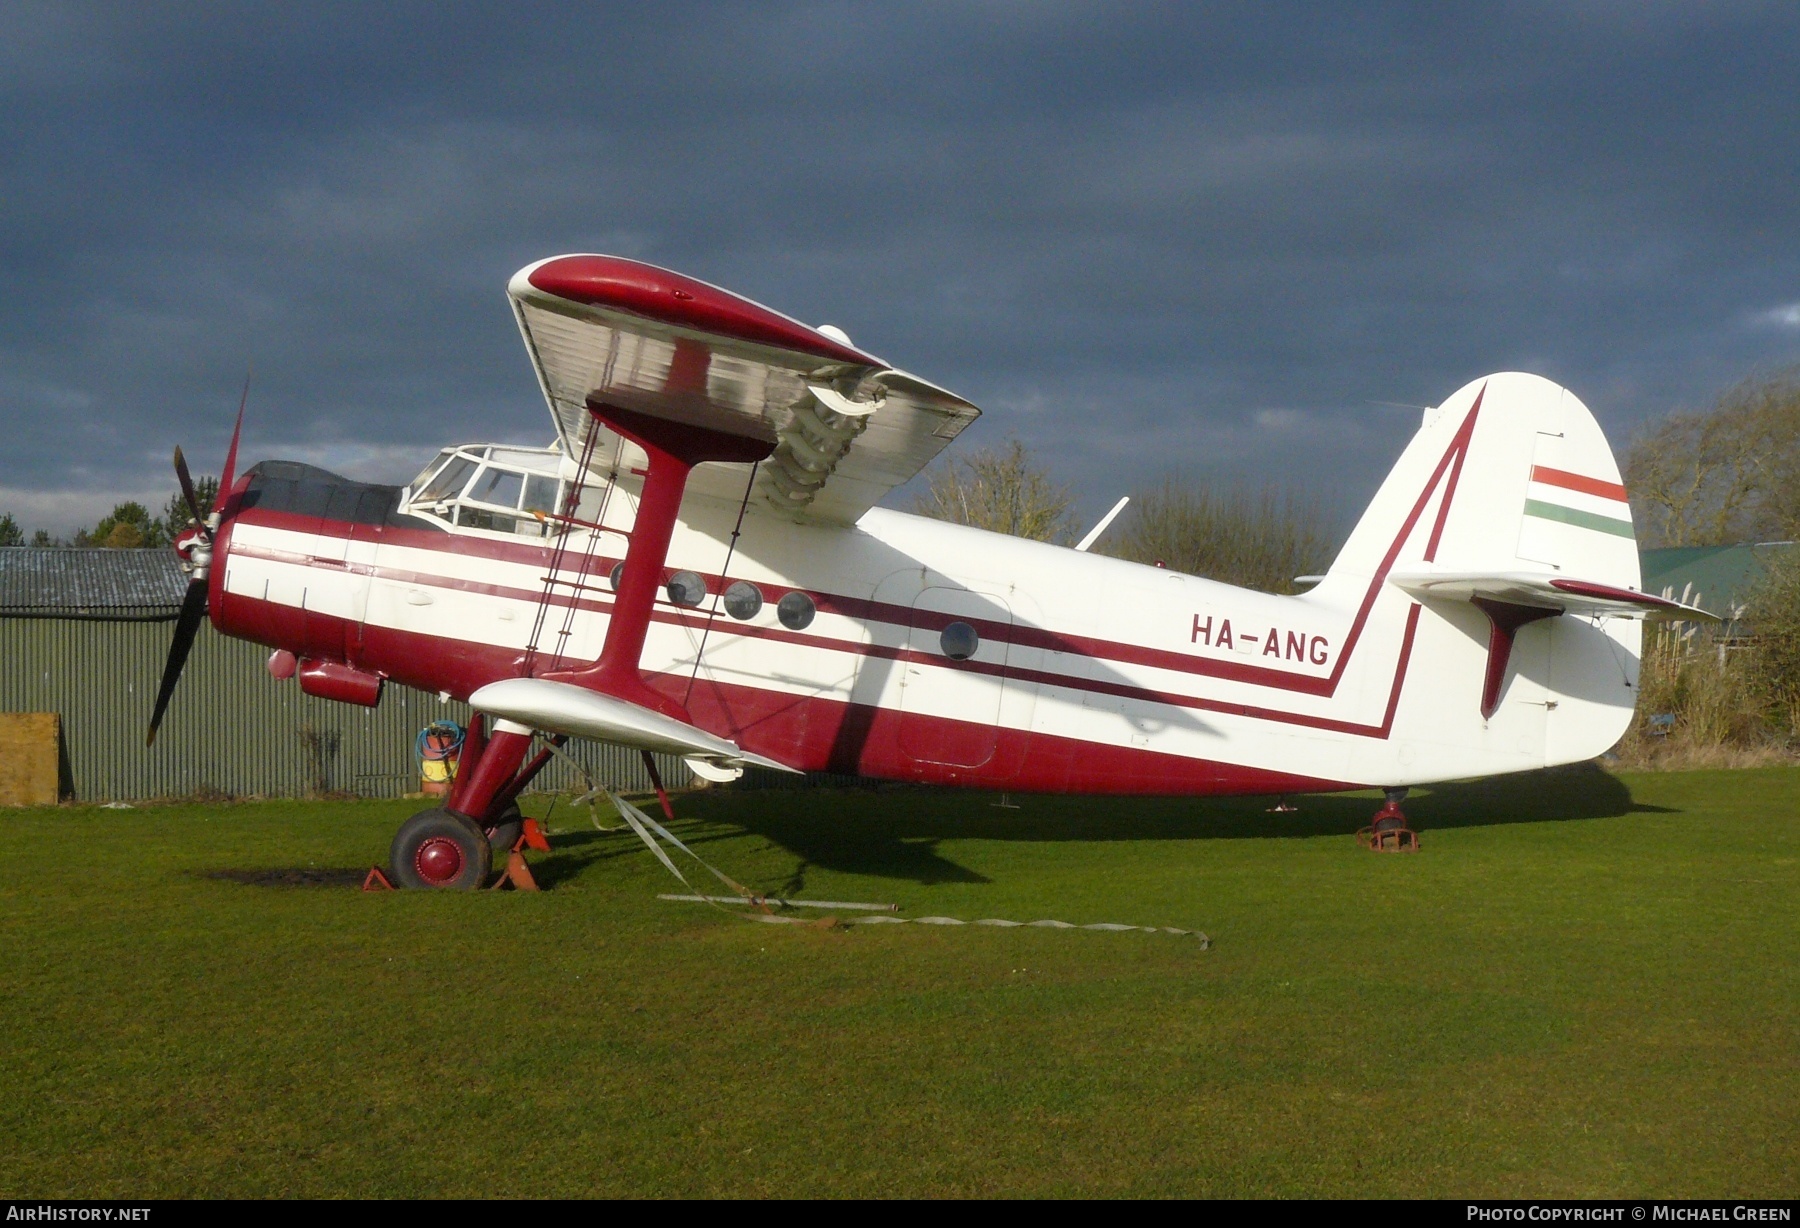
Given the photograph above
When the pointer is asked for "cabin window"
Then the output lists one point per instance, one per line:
(959, 641)
(796, 611)
(616, 576)
(687, 588)
(743, 600)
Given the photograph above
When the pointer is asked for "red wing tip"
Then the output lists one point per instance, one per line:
(674, 298)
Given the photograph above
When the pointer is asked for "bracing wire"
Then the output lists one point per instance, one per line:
(724, 576)
(571, 502)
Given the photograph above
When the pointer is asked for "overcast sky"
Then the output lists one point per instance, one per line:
(1221, 242)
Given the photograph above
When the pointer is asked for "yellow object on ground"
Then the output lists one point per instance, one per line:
(30, 746)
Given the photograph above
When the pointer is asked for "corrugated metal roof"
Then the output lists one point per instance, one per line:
(1717, 578)
(73, 582)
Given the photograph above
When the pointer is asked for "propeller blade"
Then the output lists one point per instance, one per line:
(230, 472)
(193, 610)
(187, 492)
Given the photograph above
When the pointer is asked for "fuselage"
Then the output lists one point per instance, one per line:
(898, 647)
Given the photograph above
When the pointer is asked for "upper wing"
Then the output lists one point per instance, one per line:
(846, 427)
(1547, 590)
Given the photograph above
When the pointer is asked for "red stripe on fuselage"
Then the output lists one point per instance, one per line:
(821, 734)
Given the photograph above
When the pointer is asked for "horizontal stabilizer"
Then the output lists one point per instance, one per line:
(563, 707)
(1545, 590)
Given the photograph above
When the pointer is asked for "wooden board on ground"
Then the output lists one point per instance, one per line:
(30, 743)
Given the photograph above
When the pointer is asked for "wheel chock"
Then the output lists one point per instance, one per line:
(377, 880)
(516, 872)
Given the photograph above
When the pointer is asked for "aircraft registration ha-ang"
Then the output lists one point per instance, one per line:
(698, 566)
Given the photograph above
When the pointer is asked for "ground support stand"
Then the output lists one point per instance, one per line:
(1389, 832)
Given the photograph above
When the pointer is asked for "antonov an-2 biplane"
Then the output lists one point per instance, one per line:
(697, 566)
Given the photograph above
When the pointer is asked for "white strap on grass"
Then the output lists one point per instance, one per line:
(1112, 927)
(643, 825)
(847, 905)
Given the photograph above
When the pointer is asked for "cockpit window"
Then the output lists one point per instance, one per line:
(488, 486)
(499, 486)
(437, 462)
(448, 482)
(540, 494)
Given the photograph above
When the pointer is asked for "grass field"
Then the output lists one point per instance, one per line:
(1583, 986)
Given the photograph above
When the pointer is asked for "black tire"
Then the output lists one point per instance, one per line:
(505, 831)
(437, 849)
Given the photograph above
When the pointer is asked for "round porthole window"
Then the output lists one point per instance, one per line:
(687, 588)
(959, 641)
(743, 599)
(618, 574)
(796, 611)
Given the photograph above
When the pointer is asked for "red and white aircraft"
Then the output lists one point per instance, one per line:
(697, 566)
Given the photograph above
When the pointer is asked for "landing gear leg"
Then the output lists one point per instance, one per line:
(457, 845)
(1389, 832)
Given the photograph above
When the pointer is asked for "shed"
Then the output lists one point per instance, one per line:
(1721, 579)
(84, 633)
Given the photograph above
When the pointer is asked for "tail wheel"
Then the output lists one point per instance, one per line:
(435, 848)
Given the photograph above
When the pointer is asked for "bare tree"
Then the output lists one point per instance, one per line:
(1725, 474)
(1260, 540)
(1002, 489)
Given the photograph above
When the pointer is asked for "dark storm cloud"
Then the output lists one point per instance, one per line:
(1211, 240)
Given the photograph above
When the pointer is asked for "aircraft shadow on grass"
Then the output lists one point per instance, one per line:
(896, 831)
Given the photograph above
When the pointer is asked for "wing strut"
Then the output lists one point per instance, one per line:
(674, 448)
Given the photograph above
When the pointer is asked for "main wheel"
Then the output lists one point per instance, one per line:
(504, 831)
(435, 848)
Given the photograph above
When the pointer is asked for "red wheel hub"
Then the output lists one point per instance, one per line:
(439, 860)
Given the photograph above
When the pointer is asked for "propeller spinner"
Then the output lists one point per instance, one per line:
(199, 555)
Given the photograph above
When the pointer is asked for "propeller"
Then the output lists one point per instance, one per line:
(193, 610)
(193, 602)
(187, 492)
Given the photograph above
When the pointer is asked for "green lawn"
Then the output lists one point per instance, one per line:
(1583, 986)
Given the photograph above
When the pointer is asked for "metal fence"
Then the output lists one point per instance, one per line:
(231, 728)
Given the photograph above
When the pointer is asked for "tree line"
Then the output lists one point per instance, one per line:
(1261, 538)
(129, 526)
(1720, 475)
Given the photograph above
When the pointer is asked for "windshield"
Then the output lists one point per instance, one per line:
(448, 482)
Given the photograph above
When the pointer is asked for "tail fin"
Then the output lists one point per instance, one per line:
(1511, 473)
(1507, 496)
